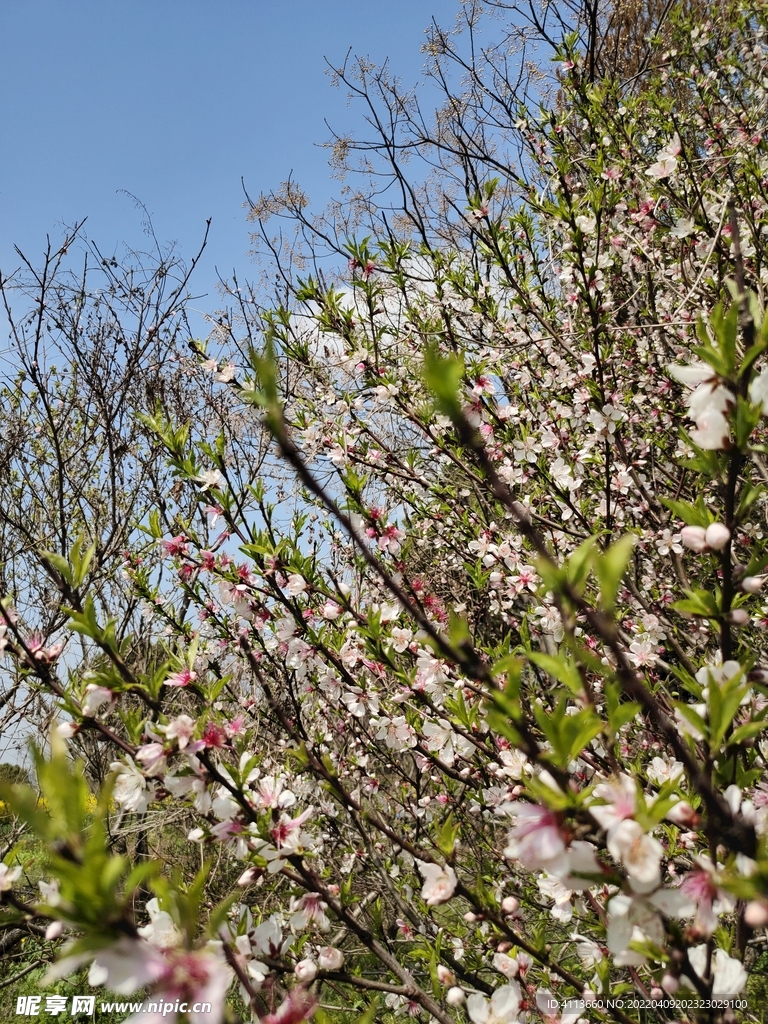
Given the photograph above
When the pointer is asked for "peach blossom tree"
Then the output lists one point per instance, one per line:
(462, 718)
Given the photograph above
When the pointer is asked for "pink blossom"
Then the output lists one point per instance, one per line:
(95, 698)
(753, 584)
(130, 790)
(181, 729)
(152, 756)
(501, 1008)
(663, 168)
(296, 585)
(176, 546)
(620, 795)
(536, 840)
(298, 1005)
(439, 883)
(638, 852)
(309, 909)
(161, 930)
(700, 886)
(213, 735)
(182, 678)
(272, 792)
(8, 876)
(728, 974)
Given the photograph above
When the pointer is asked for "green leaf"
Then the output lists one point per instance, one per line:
(692, 515)
(447, 835)
(723, 703)
(700, 603)
(560, 668)
(443, 377)
(458, 630)
(611, 566)
(81, 557)
(369, 1016)
(579, 564)
(622, 714)
(747, 731)
(60, 564)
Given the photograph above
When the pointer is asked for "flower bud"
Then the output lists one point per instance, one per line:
(445, 976)
(717, 536)
(510, 905)
(670, 983)
(330, 610)
(738, 617)
(752, 584)
(756, 914)
(683, 814)
(694, 537)
(330, 959)
(455, 996)
(305, 971)
(54, 930)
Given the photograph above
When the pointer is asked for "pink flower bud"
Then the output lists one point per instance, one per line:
(670, 983)
(717, 536)
(305, 971)
(445, 976)
(756, 914)
(694, 537)
(752, 584)
(330, 959)
(455, 996)
(330, 610)
(683, 814)
(510, 905)
(54, 930)
(738, 617)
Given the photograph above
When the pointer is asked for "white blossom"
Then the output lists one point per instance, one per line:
(439, 883)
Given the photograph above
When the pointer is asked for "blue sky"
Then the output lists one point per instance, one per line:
(174, 101)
